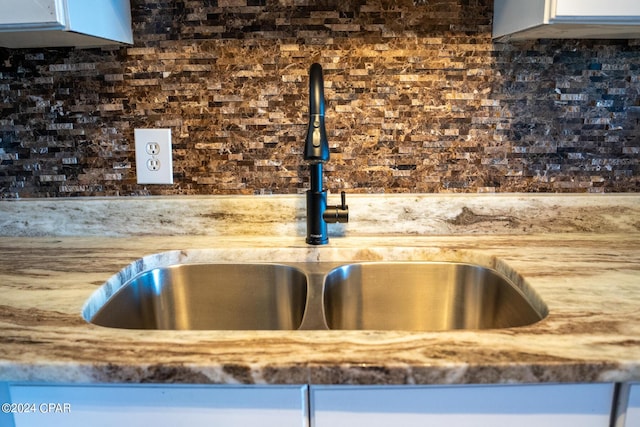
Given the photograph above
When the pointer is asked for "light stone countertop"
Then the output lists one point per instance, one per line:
(580, 254)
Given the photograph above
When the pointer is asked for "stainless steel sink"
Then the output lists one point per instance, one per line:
(425, 297)
(409, 296)
(209, 296)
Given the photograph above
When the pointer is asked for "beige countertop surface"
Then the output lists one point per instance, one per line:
(584, 265)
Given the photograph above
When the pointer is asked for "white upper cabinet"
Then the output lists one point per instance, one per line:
(534, 19)
(53, 23)
(32, 13)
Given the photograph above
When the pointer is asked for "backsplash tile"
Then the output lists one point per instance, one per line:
(419, 99)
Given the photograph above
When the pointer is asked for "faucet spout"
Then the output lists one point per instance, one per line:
(316, 147)
(316, 152)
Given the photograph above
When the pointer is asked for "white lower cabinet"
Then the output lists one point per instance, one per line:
(629, 411)
(158, 405)
(548, 405)
(561, 405)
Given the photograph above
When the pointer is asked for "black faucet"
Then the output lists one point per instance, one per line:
(316, 152)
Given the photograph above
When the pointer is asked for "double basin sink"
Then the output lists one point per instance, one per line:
(407, 296)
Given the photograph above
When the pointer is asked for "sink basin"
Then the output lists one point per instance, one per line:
(406, 296)
(209, 296)
(425, 296)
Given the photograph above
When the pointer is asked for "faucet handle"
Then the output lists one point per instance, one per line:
(339, 213)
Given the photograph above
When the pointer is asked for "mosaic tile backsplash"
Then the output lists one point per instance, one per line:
(419, 99)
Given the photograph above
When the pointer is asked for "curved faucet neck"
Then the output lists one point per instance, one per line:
(316, 147)
(316, 90)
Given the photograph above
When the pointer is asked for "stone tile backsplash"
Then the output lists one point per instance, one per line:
(419, 99)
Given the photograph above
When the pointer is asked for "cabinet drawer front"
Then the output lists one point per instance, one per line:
(586, 405)
(158, 406)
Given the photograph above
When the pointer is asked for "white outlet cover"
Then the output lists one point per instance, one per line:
(162, 172)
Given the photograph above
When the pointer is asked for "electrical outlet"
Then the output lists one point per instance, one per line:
(153, 156)
(153, 165)
(152, 148)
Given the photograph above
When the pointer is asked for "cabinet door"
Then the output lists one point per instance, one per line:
(6, 418)
(534, 19)
(32, 13)
(623, 9)
(585, 405)
(632, 416)
(158, 405)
